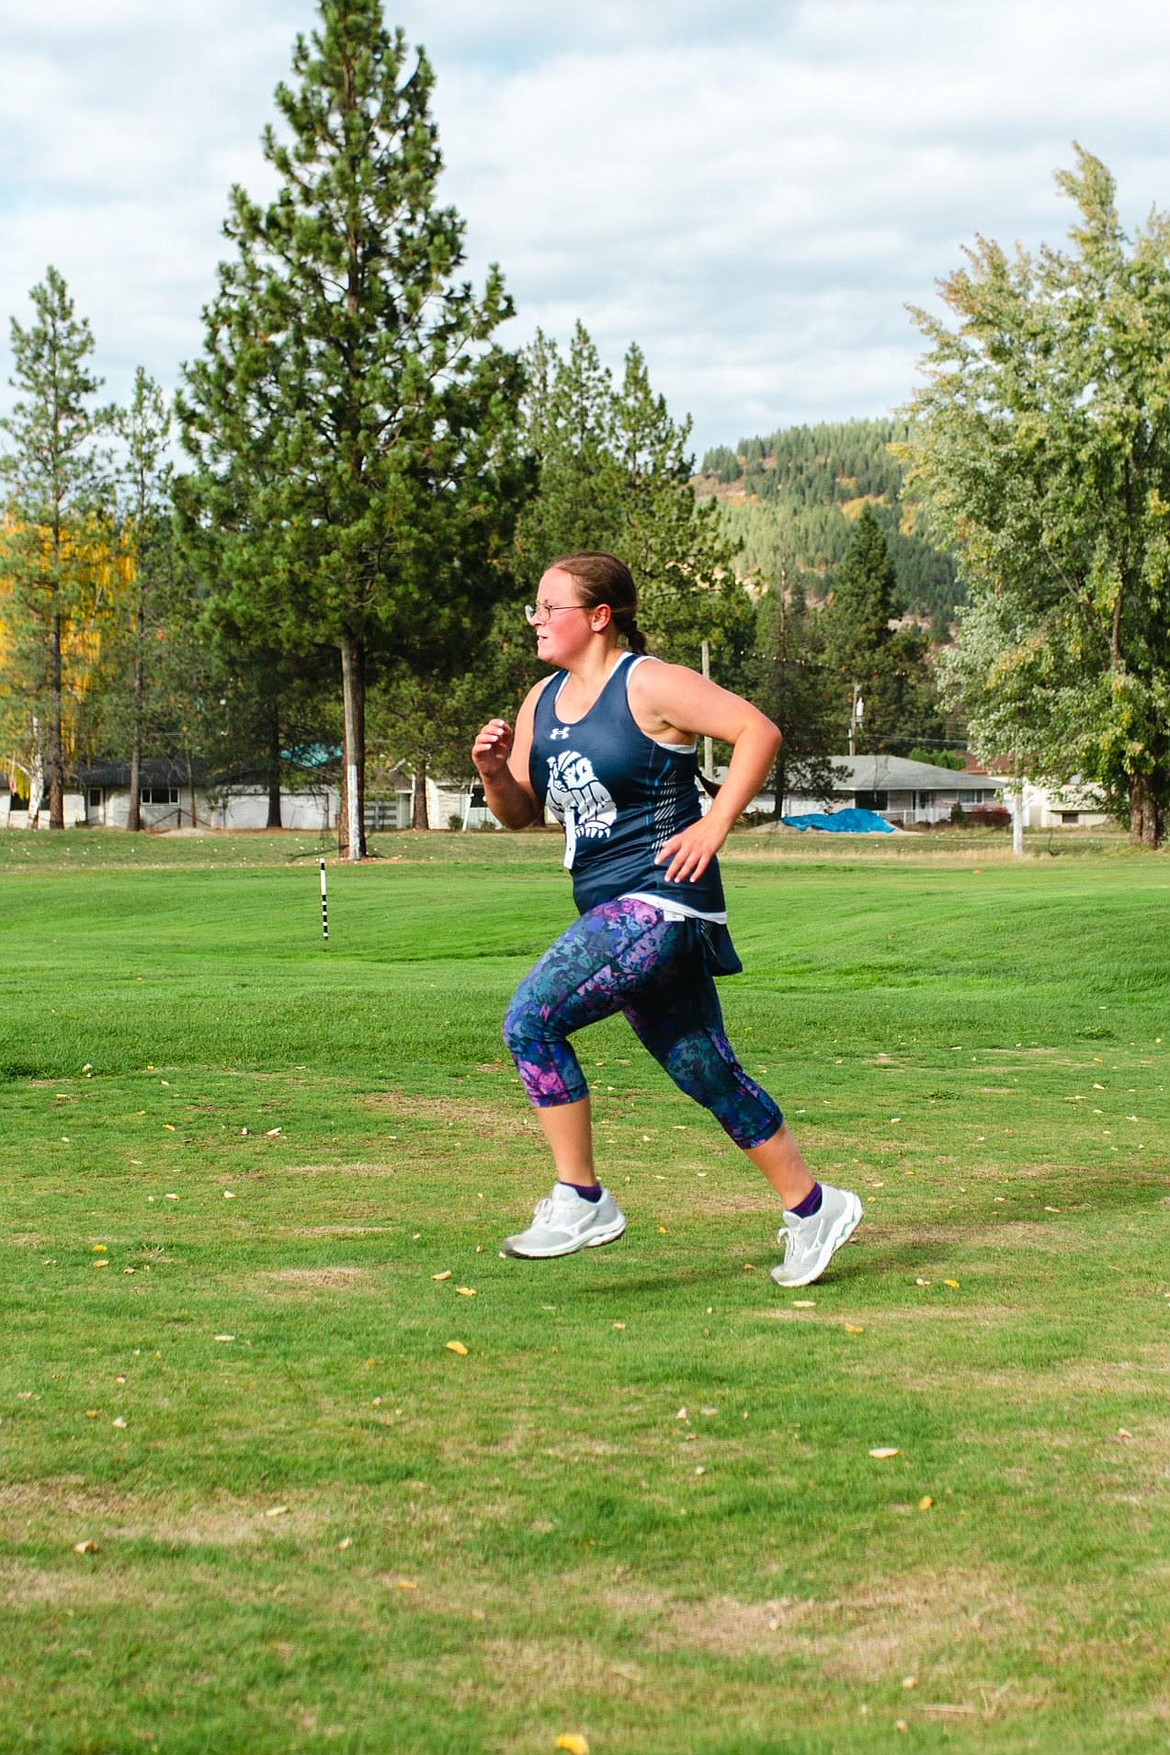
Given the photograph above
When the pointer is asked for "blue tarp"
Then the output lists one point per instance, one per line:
(843, 822)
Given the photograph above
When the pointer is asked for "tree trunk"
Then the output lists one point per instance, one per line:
(351, 824)
(780, 785)
(1145, 819)
(56, 751)
(419, 818)
(273, 730)
(36, 776)
(134, 820)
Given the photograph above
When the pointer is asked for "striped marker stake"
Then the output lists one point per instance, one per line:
(324, 906)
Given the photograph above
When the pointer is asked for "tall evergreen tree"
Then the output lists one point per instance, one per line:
(136, 648)
(614, 473)
(793, 687)
(351, 420)
(884, 668)
(54, 543)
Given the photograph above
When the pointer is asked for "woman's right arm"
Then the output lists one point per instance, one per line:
(501, 756)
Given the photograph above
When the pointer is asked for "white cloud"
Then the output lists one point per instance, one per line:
(753, 198)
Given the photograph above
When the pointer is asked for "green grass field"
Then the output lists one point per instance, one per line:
(642, 1507)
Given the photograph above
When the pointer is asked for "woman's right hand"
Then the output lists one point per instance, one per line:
(492, 747)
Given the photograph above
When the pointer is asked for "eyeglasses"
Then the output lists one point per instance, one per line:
(536, 614)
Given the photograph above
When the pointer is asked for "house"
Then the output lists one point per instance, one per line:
(176, 795)
(902, 791)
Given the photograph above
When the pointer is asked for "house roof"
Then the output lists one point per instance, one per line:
(154, 771)
(883, 773)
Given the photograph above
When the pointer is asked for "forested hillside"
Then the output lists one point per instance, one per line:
(793, 499)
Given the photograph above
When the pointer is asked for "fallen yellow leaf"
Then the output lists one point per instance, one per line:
(445, 1275)
(407, 1584)
(884, 1450)
(99, 1249)
(102, 1261)
(457, 1347)
(954, 1283)
(573, 1742)
(925, 1503)
(277, 1511)
(854, 1328)
(168, 1127)
(466, 1291)
(85, 1547)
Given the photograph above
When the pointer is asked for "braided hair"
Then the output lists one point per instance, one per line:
(602, 578)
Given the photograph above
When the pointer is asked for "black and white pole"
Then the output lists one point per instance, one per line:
(324, 907)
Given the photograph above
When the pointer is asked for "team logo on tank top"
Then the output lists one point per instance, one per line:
(577, 796)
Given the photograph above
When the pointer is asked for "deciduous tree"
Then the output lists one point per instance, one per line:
(1040, 451)
(54, 545)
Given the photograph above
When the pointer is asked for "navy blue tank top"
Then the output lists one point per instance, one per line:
(621, 795)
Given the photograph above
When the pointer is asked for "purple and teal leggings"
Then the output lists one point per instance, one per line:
(623, 956)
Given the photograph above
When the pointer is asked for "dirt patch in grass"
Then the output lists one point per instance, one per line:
(339, 1170)
(75, 1513)
(308, 1280)
(874, 1632)
(339, 1230)
(460, 1110)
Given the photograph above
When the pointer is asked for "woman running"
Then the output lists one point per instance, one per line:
(610, 743)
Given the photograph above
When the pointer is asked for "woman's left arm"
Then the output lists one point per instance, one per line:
(671, 696)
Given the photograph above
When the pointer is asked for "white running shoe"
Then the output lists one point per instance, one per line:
(564, 1223)
(810, 1244)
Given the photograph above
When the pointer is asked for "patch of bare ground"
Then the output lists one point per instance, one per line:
(305, 1281)
(338, 1230)
(337, 1170)
(552, 1667)
(489, 1120)
(912, 1624)
(101, 1514)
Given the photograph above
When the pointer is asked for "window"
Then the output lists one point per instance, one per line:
(872, 800)
(976, 797)
(159, 794)
(1070, 816)
(94, 798)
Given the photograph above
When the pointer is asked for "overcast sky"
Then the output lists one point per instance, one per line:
(752, 193)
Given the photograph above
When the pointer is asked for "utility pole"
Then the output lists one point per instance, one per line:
(708, 752)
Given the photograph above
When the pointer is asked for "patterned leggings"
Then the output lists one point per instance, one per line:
(624, 956)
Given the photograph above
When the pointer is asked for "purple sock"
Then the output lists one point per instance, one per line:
(591, 1194)
(810, 1204)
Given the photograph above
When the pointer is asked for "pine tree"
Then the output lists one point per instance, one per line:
(613, 472)
(53, 547)
(793, 687)
(884, 668)
(351, 420)
(138, 643)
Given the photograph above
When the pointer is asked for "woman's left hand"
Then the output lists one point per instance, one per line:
(691, 851)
